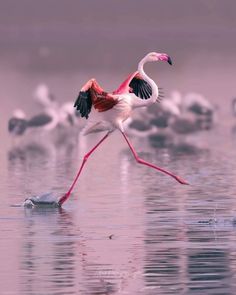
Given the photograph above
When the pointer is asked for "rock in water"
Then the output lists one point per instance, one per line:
(44, 200)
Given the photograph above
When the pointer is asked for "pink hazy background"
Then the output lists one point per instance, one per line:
(64, 43)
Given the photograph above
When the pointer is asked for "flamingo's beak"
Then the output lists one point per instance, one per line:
(169, 61)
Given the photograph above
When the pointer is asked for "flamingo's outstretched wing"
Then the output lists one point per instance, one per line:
(134, 83)
(140, 87)
(92, 94)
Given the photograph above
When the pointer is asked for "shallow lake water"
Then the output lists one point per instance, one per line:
(126, 229)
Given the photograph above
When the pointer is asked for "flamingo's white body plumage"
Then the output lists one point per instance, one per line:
(113, 118)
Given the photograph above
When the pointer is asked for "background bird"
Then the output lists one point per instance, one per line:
(17, 124)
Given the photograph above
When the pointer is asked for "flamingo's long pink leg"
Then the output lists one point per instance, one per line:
(67, 195)
(141, 161)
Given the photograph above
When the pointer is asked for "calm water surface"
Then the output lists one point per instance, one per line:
(126, 229)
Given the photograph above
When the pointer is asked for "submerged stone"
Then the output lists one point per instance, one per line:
(44, 200)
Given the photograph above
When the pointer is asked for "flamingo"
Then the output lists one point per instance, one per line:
(110, 110)
(44, 121)
(17, 124)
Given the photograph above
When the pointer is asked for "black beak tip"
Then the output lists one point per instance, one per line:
(169, 61)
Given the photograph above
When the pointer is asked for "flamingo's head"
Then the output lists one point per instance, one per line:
(19, 114)
(154, 56)
(44, 97)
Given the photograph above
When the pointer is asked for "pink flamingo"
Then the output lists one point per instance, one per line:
(112, 109)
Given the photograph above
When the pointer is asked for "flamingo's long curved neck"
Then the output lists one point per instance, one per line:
(155, 91)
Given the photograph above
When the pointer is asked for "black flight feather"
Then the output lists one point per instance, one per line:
(83, 103)
(141, 88)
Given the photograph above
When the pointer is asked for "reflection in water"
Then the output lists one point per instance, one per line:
(187, 149)
(184, 256)
(43, 159)
(180, 267)
(55, 258)
(164, 260)
(100, 279)
(209, 271)
(48, 260)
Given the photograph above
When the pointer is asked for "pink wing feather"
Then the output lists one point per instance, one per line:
(124, 87)
(92, 94)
